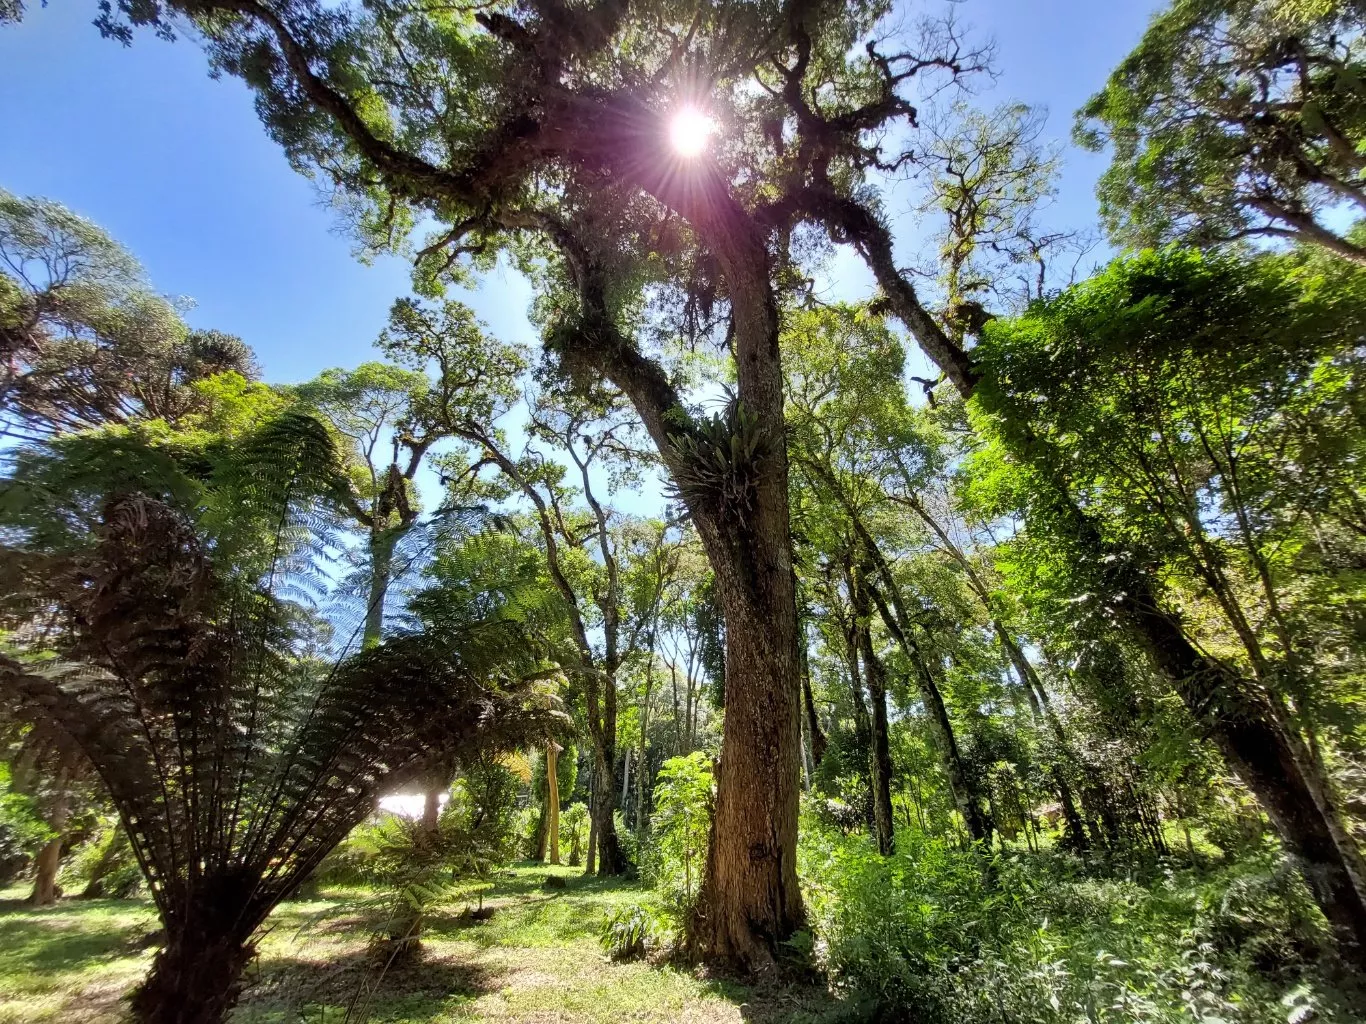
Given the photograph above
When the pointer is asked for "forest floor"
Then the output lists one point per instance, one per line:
(536, 960)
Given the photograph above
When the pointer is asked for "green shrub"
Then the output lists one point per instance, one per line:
(1041, 939)
(573, 831)
(630, 932)
(679, 827)
(104, 866)
(22, 831)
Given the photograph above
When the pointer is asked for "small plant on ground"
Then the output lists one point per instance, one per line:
(630, 932)
(680, 826)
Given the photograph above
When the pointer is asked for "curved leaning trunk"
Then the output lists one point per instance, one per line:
(1265, 759)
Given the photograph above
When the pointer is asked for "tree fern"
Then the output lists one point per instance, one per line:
(236, 755)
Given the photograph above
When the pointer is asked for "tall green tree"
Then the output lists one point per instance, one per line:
(1177, 405)
(371, 407)
(1236, 119)
(548, 122)
(83, 339)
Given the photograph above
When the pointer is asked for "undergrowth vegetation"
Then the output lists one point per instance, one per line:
(1050, 938)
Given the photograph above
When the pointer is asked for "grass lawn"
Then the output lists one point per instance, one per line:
(536, 961)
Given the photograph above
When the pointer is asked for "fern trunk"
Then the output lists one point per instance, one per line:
(196, 978)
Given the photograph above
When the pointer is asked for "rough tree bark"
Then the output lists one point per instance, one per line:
(196, 977)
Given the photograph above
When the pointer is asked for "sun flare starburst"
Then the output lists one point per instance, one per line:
(690, 131)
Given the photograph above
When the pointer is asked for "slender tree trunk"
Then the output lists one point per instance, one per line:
(854, 630)
(1074, 830)
(431, 810)
(880, 759)
(552, 799)
(382, 544)
(813, 722)
(591, 858)
(641, 821)
(960, 786)
(542, 833)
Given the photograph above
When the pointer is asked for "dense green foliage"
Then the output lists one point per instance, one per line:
(1236, 118)
(1045, 937)
(1030, 692)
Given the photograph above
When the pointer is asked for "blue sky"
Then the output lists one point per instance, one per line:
(176, 166)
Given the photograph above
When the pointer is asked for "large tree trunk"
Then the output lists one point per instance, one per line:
(750, 900)
(602, 727)
(611, 858)
(196, 978)
(641, 821)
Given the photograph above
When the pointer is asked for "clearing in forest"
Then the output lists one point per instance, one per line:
(536, 959)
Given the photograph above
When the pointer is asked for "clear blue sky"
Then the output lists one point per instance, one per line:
(176, 166)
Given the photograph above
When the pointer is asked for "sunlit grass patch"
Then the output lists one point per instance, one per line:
(73, 961)
(535, 958)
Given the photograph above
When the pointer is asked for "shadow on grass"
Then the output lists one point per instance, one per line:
(529, 876)
(70, 935)
(788, 1001)
(427, 987)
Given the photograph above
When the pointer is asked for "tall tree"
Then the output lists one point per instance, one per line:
(846, 415)
(83, 339)
(1236, 119)
(372, 407)
(516, 121)
(1174, 453)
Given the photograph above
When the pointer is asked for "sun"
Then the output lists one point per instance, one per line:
(689, 131)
